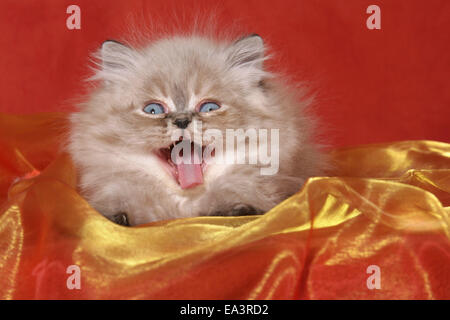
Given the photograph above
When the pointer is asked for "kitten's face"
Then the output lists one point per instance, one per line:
(182, 86)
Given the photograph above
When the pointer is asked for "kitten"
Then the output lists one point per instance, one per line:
(122, 138)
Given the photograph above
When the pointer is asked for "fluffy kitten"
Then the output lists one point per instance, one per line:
(121, 136)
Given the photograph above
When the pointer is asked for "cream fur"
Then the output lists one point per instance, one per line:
(111, 139)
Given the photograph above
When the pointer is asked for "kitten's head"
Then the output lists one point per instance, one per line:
(176, 86)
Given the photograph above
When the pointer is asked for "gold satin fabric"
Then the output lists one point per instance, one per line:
(383, 205)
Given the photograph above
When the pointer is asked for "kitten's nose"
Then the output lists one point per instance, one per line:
(182, 123)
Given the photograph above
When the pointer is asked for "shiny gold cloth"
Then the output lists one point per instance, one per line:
(384, 205)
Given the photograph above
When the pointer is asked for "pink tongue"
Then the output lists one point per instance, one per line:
(189, 174)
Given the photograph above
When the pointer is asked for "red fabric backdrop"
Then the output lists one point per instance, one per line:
(374, 85)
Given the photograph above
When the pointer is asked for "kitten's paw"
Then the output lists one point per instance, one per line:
(244, 210)
(239, 210)
(121, 219)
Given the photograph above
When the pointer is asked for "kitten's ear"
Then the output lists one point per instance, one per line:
(115, 55)
(247, 51)
(117, 60)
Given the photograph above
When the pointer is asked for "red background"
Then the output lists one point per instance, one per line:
(374, 85)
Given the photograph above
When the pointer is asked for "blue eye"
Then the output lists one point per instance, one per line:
(208, 107)
(154, 108)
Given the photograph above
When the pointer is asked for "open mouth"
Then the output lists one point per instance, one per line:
(184, 161)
